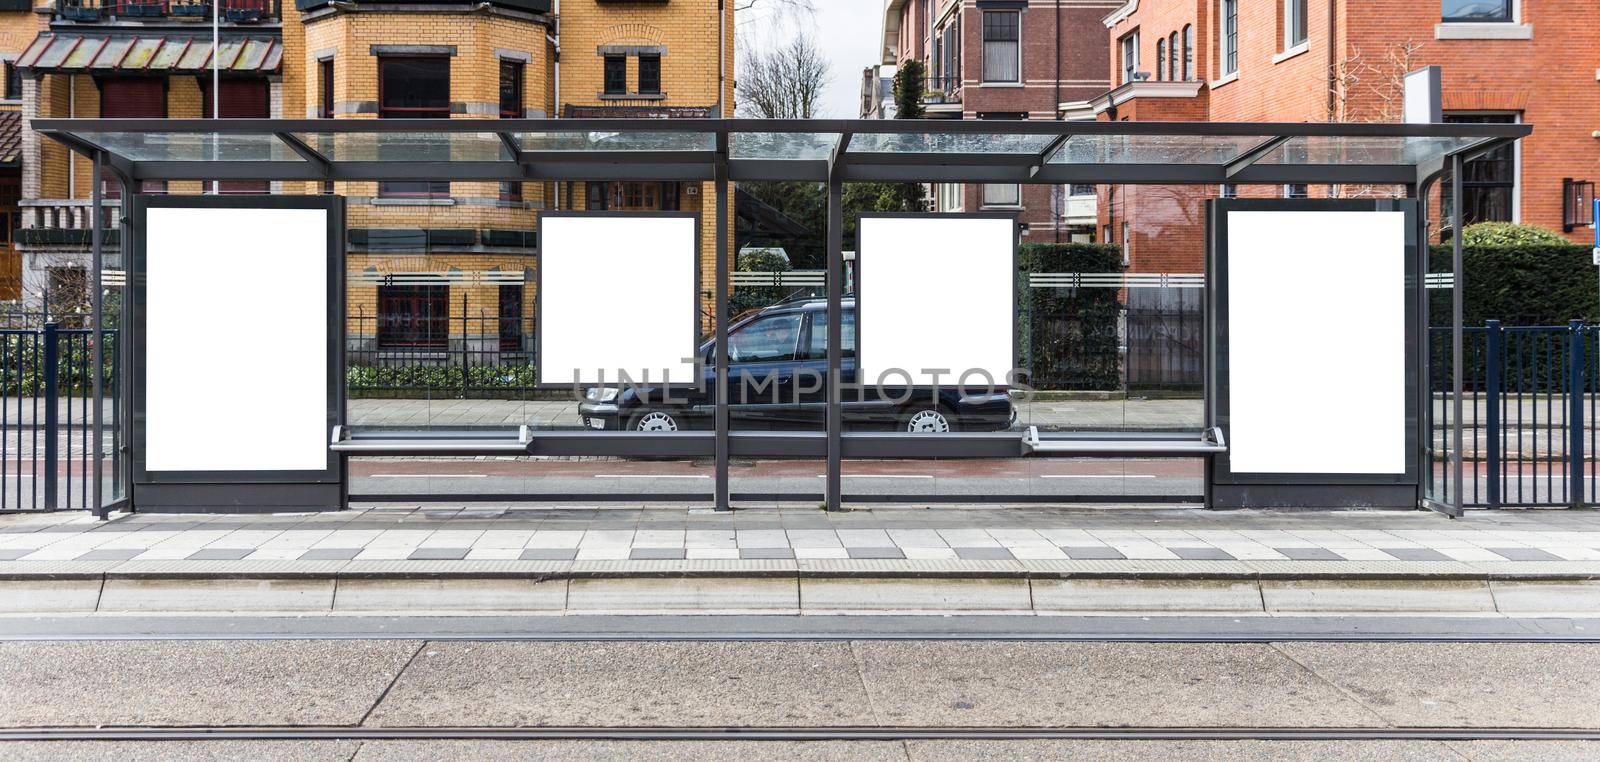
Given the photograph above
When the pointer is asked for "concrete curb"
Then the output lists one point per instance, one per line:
(789, 587)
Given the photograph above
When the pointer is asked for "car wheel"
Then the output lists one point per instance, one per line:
(655, 421)
(929, 420)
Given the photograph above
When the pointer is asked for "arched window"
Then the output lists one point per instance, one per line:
(1161, 60)
(1172, 56)
(1188, 53)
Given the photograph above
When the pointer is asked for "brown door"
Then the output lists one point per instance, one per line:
(239, 99)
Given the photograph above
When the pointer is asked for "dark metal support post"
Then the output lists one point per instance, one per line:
(1575, 423)
(1457, 307)
(1494, 359)
(127, 322)
(97, 362)
(723, 502)
(833, 496)
(52, 455)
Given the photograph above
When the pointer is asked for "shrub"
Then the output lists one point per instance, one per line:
(1509, 234)
(1520, 285)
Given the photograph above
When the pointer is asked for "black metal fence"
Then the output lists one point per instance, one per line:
(1528, 414)
(439, 356)
(46, 417)
(1166, 341)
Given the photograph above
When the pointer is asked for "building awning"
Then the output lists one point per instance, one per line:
(10, 139)
(159, 54)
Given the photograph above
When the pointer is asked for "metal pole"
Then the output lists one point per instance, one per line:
(1494, 351)
(1575, 425)
(1457, 308)
(96, 308)
(52, 453)
(833, 495)
(723, 500)
(127, 325)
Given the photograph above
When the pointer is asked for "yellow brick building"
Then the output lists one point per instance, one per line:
(432, 267)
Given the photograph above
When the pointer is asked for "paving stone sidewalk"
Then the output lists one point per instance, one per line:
(674, 532)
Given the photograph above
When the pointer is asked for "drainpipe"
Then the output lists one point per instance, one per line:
(72, 112)
(1056, 106)
(722, 60)
(556, 42)
(1333, 102)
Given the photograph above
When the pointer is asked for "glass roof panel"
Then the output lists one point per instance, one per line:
(1348, 149)
(193, 146)
(798, 146)
(616, 141)
(922, 142)
(1155, 149)
(408, 146)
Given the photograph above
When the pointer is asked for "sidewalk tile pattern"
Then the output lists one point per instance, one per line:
(666, 532)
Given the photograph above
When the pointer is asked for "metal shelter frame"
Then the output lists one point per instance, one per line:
(833, 152)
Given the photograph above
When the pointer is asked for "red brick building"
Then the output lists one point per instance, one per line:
(1006, 59)
(1321, 60)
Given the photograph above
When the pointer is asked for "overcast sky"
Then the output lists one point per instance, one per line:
(849, 33)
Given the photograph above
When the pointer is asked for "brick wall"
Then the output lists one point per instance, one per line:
(1550, 80)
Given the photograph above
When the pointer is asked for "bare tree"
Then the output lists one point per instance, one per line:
(782, 7)
(782, 82)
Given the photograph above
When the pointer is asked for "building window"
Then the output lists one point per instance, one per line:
(1577, 204)
(413, 88)
(1130, 57)
(950, 68)
(511, 78)
(1230, 37)
(511, 318)
(1002, 53)
(1172, 57)
(650, 75)
(1228, 190)
(1188, 53)
(1489, 184)
(414, 316)
(1002, 194)
(1294, 23)
(13, 81)
(1161, 60)
(949, 197)
(616, 75)
(1477, 10)
(1296, 190)
(325, 101)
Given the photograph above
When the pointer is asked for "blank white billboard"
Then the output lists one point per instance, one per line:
(1316, 342)
(617, 296)
(236, 340)
(936, 300)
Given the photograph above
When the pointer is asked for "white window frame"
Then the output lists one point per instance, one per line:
(1129, 44)
(1223, 49)
(950, 197)
(1293, 10)
(983, 47)
(1511, 29)
(983, 198)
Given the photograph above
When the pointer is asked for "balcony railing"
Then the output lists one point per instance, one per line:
(235, 11)
(65, 222)
(938, 91)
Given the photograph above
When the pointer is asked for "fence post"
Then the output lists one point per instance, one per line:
(51, 395)
(1575, 427)
(1493, 359)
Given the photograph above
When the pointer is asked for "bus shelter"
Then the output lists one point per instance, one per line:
(1373, 438)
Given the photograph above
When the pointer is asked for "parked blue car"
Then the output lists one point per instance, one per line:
(778, 360)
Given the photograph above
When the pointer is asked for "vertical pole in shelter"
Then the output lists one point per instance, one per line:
(96, 309)
(127, 322)
(723, 500)
(833, 492)
(1457, 307)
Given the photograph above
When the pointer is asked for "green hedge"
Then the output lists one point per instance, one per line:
(438, 380)
(1068, 338)
(1520, 285)
(22, 372)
